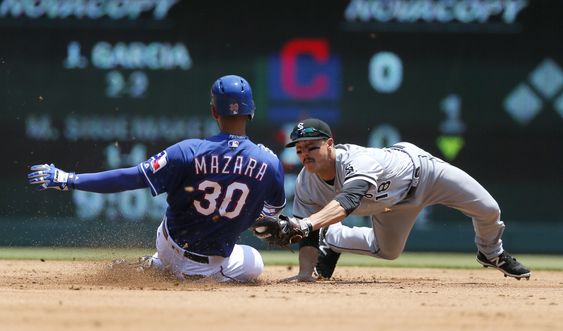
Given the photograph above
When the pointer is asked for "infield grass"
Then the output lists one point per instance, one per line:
(274, 257)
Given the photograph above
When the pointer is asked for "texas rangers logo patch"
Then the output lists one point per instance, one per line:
(158, 161)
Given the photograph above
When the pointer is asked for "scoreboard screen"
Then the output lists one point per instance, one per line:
(93, 85)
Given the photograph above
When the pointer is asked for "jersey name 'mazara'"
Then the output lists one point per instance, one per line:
(224, 164)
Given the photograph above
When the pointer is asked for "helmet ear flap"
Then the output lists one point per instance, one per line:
(231, 95)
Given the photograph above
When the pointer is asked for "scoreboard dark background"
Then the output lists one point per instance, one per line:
(95, 85)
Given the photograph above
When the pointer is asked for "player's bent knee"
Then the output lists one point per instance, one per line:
(256, 270)
(495, 212)
(253, 263)
(490, 212)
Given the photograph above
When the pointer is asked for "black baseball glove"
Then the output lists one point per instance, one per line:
(281, 231)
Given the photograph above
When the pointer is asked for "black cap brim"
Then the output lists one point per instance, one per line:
(294, 142)
(309, 129)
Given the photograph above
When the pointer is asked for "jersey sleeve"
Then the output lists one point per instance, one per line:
(275, 203)
(163, 171)
(362, 166)
(351, 195)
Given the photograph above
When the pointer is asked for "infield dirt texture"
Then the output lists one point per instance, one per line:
(63, 295)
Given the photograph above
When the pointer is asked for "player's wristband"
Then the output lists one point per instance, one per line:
(70, 180)
(306, 226)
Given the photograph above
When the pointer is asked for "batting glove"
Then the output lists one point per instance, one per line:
(48, 176)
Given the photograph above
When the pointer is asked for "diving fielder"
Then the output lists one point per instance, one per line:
(216, 188)
(391, 185)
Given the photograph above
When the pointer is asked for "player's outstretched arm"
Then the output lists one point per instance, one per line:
(343, 204)
(45, 176)
(332, 213)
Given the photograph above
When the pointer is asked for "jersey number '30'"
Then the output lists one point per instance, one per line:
(213, 192)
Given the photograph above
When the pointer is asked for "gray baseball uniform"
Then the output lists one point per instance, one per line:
(404, 179)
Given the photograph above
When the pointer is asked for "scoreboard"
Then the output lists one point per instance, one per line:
(93, 85)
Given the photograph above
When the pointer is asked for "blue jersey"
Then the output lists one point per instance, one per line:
(216, 187)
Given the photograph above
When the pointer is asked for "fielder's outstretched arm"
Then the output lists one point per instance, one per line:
(332, 213)
(343, 204)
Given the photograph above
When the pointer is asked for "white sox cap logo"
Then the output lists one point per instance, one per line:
(300, 128)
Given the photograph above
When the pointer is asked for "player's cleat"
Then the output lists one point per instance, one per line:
(326, 262)
(143, 263)
(506, 264)
(118, 263)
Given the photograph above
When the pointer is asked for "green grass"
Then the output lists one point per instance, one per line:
(71, 253)
(421, 260)
(410, 260)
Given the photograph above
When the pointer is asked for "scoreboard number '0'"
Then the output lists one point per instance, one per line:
(385, 72)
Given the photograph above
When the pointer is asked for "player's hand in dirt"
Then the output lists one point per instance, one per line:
(299, 278)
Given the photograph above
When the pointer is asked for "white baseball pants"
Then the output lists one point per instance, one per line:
(243, 265)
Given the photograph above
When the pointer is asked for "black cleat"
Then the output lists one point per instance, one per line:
(506, 264)
(326, 262)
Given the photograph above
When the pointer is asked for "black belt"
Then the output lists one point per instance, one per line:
(191, 256)
(411, 192)
(415, 173)
(412, 189)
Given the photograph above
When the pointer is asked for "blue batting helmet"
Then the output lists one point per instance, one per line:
(231, 95)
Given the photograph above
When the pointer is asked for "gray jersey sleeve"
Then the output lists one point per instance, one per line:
(389, 172)
(362, 166)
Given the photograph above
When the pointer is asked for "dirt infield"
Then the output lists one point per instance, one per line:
(54, 295)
